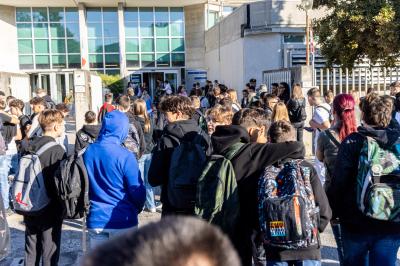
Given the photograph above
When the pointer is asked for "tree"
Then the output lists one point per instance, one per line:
(359, 29)
(113, 82)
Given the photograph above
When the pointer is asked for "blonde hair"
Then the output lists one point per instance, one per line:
(297, 92)
(221, 114)
(140, 109)
(233, 95)
(280, 113)
(49, 117)
(195, 101)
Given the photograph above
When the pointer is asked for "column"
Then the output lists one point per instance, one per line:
(83, 37)
(121, 25)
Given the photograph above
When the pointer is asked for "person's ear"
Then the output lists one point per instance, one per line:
(262, 130)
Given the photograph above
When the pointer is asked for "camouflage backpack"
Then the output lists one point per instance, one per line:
(378, 181)
(288, 215)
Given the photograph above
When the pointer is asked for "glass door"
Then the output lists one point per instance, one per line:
(172, 78)
(61, 88)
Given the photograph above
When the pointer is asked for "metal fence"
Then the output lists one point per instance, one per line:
(277, 76)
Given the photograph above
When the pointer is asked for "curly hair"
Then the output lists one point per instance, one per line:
(177, 103)
(375, 111)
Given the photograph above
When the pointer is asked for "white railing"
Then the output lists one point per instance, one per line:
(277, 76)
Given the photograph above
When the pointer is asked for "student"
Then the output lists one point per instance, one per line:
(274, 89)
(146, 124)
(249, 163)
(255, 121)
(88, 133)
(357, 101)
(217, 116)
(270, 100)
(116, 191)
(42, 93)
(182, 91)
(198, 115)
(328, 96)
(16, 109)
(181, 129)
(366, 241)
(63, 139)
(394, 88)
(37, 105)
(106, 107)
(245, 99)
(284, 92)
(280, 113)
(178, 241)
(281, 132)
(297, 111)
(43, 232)
(131, 94)
(233, 96)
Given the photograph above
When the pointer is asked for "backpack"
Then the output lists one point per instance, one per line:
(132, 141)
(378, 181)
(29, 192)
(72, 186)
(187, 163)
(299, 114)
(202, 120)
(5, 246)
(288, 215)
(217, 199)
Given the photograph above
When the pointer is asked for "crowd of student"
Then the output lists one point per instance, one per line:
(237, 165)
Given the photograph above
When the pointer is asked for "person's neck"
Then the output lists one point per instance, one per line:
(50, 134)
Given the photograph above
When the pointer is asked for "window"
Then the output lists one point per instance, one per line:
(213, 18)
(48, 38)
(293, 38)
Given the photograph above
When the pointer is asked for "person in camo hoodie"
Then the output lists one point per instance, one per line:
(88, 133)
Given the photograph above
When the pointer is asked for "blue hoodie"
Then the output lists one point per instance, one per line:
(116, 191)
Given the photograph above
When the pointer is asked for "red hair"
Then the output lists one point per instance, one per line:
(343, 107)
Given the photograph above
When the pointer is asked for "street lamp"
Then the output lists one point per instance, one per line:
(307, 6)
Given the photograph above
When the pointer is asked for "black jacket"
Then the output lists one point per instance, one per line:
(148, 136)
(325, 214)
(342, 192)
(249, 163)
(50, 162)
(86, 135)
(295, 108)
(160, 163)
(136, 124)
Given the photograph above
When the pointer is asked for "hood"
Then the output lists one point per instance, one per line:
(180, 129)
(225, 136)
(386, 137)
(114, 128)
(91, 130)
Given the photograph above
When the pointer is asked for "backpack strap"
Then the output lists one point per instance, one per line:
(233, 150)
(332, 138)
(46, 147)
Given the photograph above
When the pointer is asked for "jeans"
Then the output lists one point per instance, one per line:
(336, 229)
(299, 130)
(144, 166)
(5, 165)
(99, 236)
(363, 249)
(294, 263)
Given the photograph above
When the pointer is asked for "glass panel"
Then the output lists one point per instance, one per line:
(72, 30)
(25, 46)
(131, 29)
(71, 14)
(162, 45)
(132, 45)
(24, 30)
(112, 60)
(177, 45)
(176, 14)
(111, 45)
(146, 13)
(132, 60)
(96, 61)
(73, 46)
(147, 45)
(162, 29)
(93, 14)
(110, 29)
(113, 72)
(95, 45)
(94, 30)
(41, 46)
(178, 59)
(40, 30)
(162, 60)
(293, 38)
(57, 30)
(110, 15)
(59, 61)
(39, 14)
(148, 60)
(23, 14)
(131, 14)
(56, 14)
(42, 61)
(176, 29)
(58, 46)
(161, 14)
(26, 61)
(74, 61)
(146, 29)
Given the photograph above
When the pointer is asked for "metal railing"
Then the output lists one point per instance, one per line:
(277, 76)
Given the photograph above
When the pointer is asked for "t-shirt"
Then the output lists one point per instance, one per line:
(330, 151)
(322, 113)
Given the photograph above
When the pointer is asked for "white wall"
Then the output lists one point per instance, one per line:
(8, 43)
(261, 52)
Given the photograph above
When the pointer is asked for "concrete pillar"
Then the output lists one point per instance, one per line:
(195, 36)
(81, 96)
(8, 44)
(83, 37)
(121, 26)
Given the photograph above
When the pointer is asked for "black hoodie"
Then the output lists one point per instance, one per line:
(160, 163)
(86, 136)
(249, 163)
(342, 192)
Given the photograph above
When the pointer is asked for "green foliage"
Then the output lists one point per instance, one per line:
(113, 82)
(359, 29)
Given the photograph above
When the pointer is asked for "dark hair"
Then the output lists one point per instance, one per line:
(10, 97)
(254, 117)
(314, 92)
(275, 84)
(375, 111)
(38, 101)
(90, 117)
(18, 104)
(2, 93)
(281, 131)
(397, 102)
(108, 97)
(62, 107)
(252, 88)
(389, 101)
(3, 105)
(174, 240)
(177, 103)
(124, 101)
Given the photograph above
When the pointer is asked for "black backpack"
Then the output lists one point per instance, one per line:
(299, 114)
(72, 185)
(187, 163)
